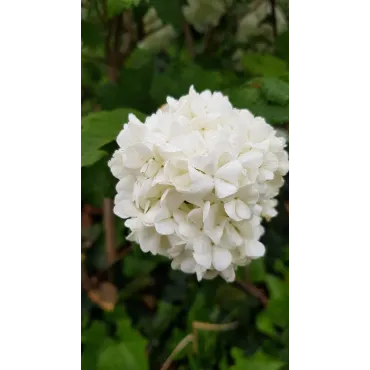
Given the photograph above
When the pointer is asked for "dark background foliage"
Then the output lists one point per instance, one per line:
(135, 309)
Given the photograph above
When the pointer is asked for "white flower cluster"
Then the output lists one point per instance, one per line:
(254, 22)
(203, 14)
(158, 36)
(195, 181)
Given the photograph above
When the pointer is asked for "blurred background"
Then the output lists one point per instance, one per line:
(135, 310)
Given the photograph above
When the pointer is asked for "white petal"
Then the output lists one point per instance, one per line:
(206, 209)
(277, 143)
(134, 223)
(165, 227)
(188, 265)
(196, 199)
(215, 234)
(251, 159)
(228, 274)
(254, 249)
(230, 172)
(165, 152)
(133, 237)
(230, 209)
(210, 274)
(224, 189)
(197, 107)
(160, 178)
(232, 236)
(149, 240)
(125, 209)
(126, 184)
(264, 145)
(271, 162)
(155, 214)
(211, 215)
(116, 165)
(133, 119)
(248, 194)
(187, 230)
(150, 168)
(176, 251)
(221, 258)
(202, 245)
(171, 199)
(203, 259)
(200, 183)
(182, 182)
(195, 216)
(257, 209)
(200, 271)
(136, 156)
(242, 210)
(265, 174)
(180, 216)
(203, 163)
(260, 131)
(191, 144)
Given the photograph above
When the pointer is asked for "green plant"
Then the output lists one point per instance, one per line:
(135, 308)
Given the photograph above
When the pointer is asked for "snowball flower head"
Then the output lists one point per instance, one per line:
(195, 181)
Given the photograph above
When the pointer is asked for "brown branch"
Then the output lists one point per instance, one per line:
(273, 16)
(88, 283)
(207, 39)
(189, 40)
(85, 280)
(109, 227)
(100, 13)
(122, 253)
(118, 33)
(252, 290)
(130, 36)
(120, 40)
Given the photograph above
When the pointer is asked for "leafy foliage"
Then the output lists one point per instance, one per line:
(155, 308)
(259, 361)
(99, 129)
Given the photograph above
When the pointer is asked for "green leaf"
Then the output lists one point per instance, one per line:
(116, 7)
(277, 288)
(99, 129)
(166, 313)
(177, 80)
(265, 325)
(275, 90)
(278, 307)
(129, 353)
(264, 65)
(282, 46)
(244, 97)
(169, 11)
(91, 33)
(129, 91)
(198, 311)
(135, 266)
(278, 311)
(223, 364)
(95, 332)
(94, 337)
(257, 271)
(177, 336)
(273, 114)
(259, 361)
(97, 182)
